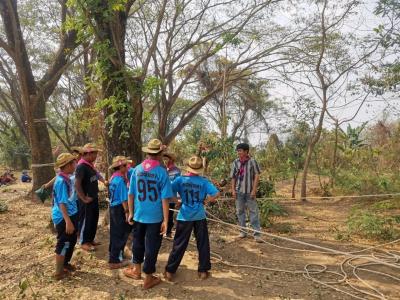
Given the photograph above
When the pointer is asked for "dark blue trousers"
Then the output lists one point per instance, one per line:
(170, 218)
(88, 219)
(119, 232)
(66, 242)
(181, 241)
(146, 244)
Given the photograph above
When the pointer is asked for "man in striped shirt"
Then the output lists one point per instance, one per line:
(245, 176)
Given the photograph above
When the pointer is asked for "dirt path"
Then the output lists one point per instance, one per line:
(27, 245)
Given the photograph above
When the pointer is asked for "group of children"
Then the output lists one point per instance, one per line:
(140, 202)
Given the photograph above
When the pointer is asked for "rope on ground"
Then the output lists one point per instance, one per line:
(321, 197)
(388, 259)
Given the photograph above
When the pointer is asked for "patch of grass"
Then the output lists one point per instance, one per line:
(268, 210)
(284, 228)
(3, 207)
(371, 225)
(386, 205)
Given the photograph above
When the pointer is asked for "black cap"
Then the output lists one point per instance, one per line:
(243, 146)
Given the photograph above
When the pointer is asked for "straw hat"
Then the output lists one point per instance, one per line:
(153, 147)
(195, 165)
(77, 149)
(118, 161)
(170, 155)
(64, 159)
(90, 147)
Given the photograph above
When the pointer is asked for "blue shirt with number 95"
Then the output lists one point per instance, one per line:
(149, 189)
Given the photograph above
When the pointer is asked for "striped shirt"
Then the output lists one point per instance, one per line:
(251, 168)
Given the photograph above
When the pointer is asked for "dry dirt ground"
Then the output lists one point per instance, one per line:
(27, 262)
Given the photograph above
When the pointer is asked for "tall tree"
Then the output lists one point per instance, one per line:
(326, 59)
(35, 93)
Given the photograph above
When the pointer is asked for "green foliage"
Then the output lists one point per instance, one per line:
(3, 207)
(371, 225)
(266, 188)
(15, 151)
(270, 209)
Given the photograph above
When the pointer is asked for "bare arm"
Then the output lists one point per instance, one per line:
(255, 185)
(50, 183)
(233, 187)
(80, 192)
(130, 208)
(212, 199)
(69, 227)
(165, 206)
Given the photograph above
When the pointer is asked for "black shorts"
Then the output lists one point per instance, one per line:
(64, 240)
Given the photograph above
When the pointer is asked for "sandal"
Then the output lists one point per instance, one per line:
(61, 275)
(70, 268)
(119, 265)
(88, 247)
(131, 273)
(169, 276)
(151, 281)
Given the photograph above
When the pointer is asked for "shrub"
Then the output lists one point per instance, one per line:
(268, 210)
(371, 225)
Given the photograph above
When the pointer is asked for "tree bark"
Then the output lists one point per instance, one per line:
(35, 94)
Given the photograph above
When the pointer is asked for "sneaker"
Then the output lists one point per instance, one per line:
(258, 239)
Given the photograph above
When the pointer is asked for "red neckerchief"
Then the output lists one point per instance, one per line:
(85, 162)
(150, 164)
(67, 179)
(190, 174)
(170, 165)
(119, 174)
(243, 163)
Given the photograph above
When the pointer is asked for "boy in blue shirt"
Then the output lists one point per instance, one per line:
(195, 192)
(64, 214)
(149, 193)
(119, 227)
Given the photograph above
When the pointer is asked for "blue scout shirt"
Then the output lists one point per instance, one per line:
(193, 191)
(149, 188)
(62, 194)
(174, 173)
(130, 172)
(118, 191)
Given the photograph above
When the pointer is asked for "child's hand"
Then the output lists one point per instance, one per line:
(69, 227)
(164, 226)
(130, 219)
(88, 199)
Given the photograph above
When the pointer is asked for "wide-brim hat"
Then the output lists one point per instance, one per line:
(195, 165)
(170, 155)
(153, 147)
(119, 161)
(90, 147)
(77, 149)
(64, 159)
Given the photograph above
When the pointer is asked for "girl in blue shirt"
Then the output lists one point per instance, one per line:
(64, 214)
(119, 227)
(195, 191)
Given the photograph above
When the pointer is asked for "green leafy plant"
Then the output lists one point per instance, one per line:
(270, 209)
(371, 225)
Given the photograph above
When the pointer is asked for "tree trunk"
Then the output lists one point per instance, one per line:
(39, 139)
(334, 155)
(294, 185)
(313, 141)
(123, 117)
